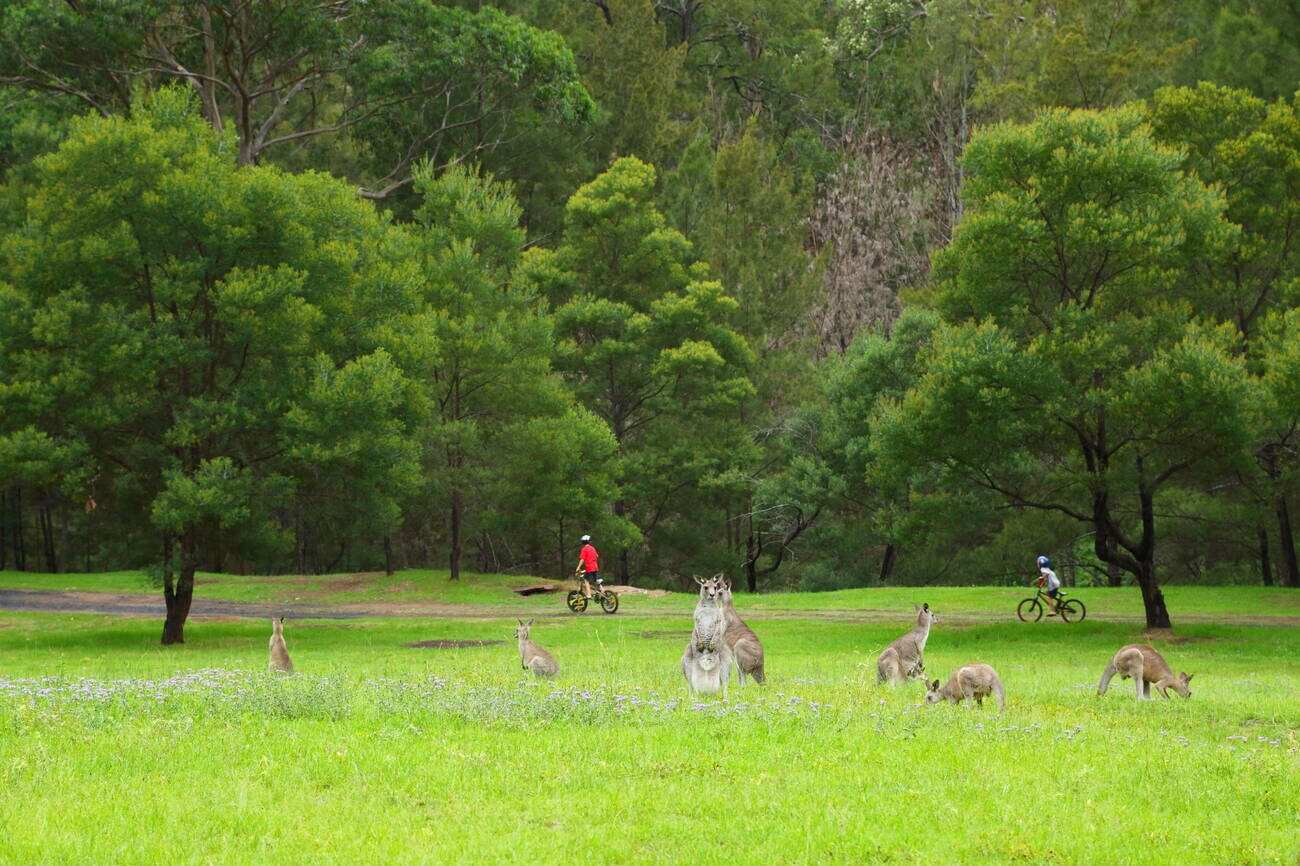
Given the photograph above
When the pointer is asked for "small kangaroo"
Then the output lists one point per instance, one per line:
(1147, 668)
(707, 660)
(531, 656)
(280, 662)
(905, 657)
(746, 649)
(969, 682)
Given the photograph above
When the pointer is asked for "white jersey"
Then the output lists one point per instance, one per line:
(1051, 581)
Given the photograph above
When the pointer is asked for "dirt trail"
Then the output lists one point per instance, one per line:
(139, 605)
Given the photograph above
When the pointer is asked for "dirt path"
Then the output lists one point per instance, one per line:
(138, 605)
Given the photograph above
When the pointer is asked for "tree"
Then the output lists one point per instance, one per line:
(410, 79)
(1072, 375)
(645, 341)
(175, 317)
(1250, 150)
(481, 346)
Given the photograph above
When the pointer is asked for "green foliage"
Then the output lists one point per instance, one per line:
(1072, 370)
(171, 310)
(645, 341)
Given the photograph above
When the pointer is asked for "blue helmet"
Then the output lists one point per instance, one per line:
(1044, 562)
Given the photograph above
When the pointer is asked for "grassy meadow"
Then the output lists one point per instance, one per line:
(116, 750)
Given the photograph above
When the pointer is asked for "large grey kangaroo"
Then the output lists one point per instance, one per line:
(904, 657)
(280, 662)
(707, 661)
(746, 649)
(1147, 668)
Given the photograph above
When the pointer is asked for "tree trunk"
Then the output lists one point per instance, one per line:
(887, 563)
(1265, 566)
(180, 594)
(559, 550)
(1114, 575)
(47, 539)
(4, 524)
(1153, 600)
(1289, 574)
(752, 550)
(388, 555)
(19, 542)
(455, 536)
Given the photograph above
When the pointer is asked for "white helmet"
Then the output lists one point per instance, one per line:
(585, 538)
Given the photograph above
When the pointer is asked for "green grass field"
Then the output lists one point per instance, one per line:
(116, 750)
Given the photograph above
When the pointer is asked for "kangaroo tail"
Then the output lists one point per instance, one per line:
(1105, 678)
(1000, 694)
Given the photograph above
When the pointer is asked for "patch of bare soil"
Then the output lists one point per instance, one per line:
(452, 644)
(663, 635)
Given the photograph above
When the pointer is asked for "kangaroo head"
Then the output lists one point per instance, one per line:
(925, 616)
(277, 625)
(522, 630)
(1180, 685)
(726, 590)
(711, 589)
(932, 695)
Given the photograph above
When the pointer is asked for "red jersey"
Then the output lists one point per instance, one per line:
(590, 561)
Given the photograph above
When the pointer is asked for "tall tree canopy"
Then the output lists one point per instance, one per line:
(174, 316)
(1073, 376)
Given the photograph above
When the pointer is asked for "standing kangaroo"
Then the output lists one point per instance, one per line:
(533, 657)
(280, 662)
(1147, 668)
(904, 657)
(746, 650)
(707, 661)
(969, 682)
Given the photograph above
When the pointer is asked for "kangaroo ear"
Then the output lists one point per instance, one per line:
(1187, 678)
(530, 622)
(520, 621)
(925, 606)
(934, 686)
(281, 620)
(697, 580)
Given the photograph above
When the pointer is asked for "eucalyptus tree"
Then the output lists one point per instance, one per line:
(408, 80)
(645, 340)
(192, 332)
(1073, 375)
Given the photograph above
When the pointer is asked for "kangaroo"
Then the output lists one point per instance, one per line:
(280, 662)
(969, 682)
(531, 656)
(904, 657)
(1147, 668)
(707, 661)
(746, 650)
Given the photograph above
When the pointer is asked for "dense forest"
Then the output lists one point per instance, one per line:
(819, 293)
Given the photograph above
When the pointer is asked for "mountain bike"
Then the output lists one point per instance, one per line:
(578, 600)
(1070, 609)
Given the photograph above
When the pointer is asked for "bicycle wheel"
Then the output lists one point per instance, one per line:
(1030, 610)
(577, 601)
(1072, 610)
(609, 602)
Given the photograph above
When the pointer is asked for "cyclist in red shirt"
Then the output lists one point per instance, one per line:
(588, 566)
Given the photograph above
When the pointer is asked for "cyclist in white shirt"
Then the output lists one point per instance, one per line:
(1049, 581)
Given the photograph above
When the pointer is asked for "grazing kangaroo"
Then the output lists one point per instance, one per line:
(969, 682)
(904, 657)
(280, 662)
(707, 661)
(531, 656)
(746, 650)
(1147, 668)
